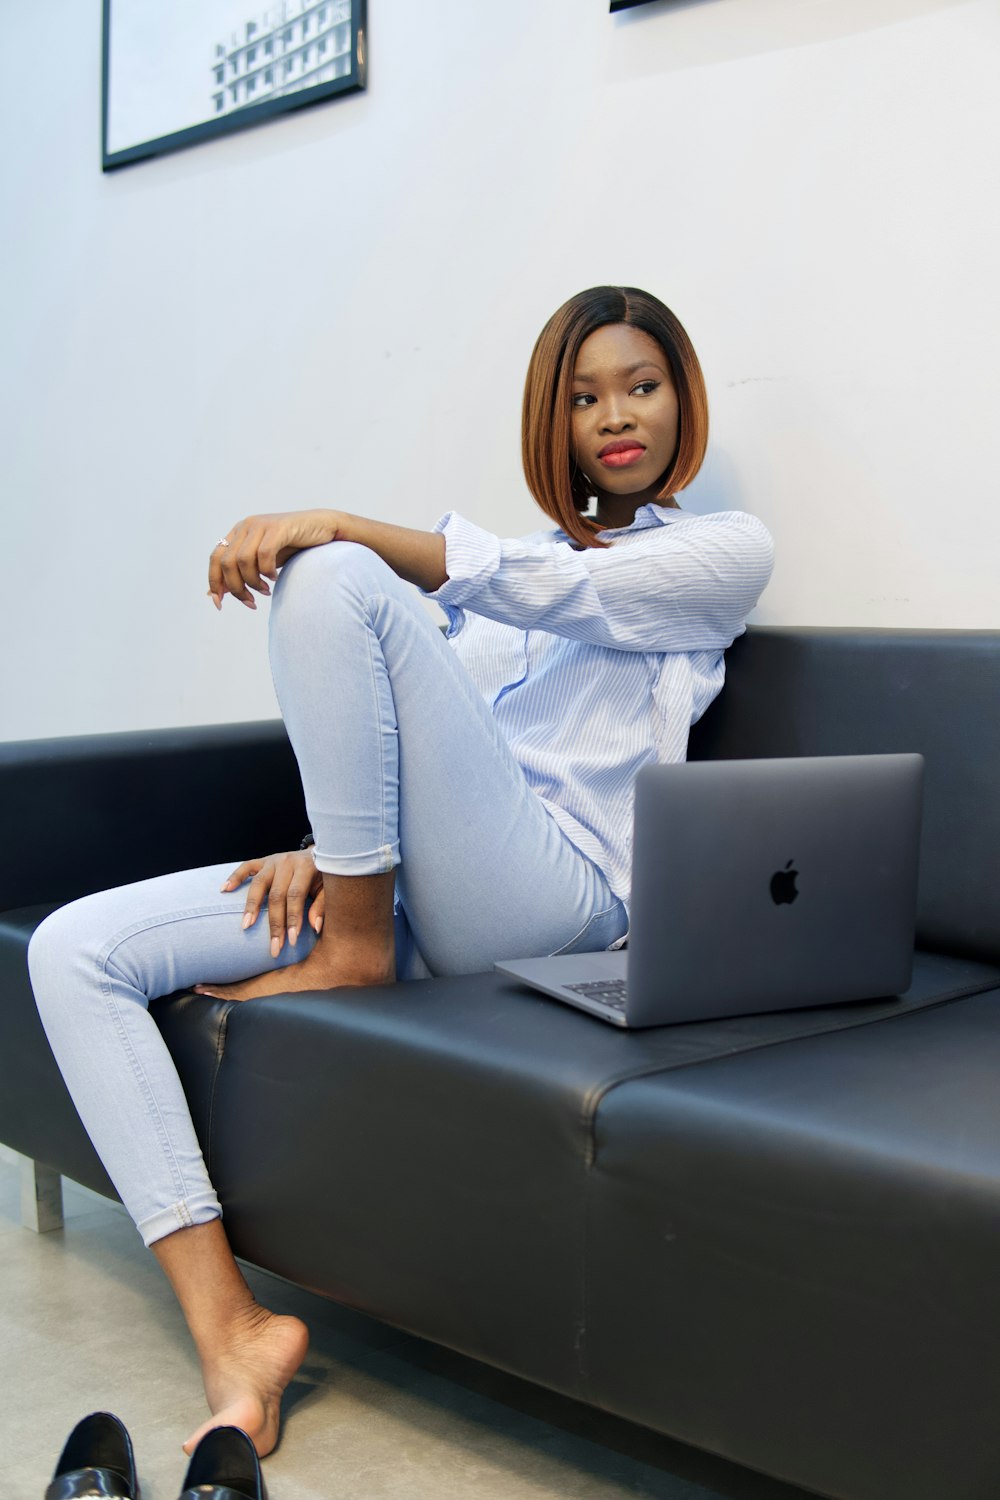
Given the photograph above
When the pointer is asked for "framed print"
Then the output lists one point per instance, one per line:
(177, 72)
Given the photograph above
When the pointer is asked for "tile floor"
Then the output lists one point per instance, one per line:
(87, 1323)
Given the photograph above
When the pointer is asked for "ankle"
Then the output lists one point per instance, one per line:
(356, 957)
(233, 1325)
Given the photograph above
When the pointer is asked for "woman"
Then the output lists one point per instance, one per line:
(467, 798)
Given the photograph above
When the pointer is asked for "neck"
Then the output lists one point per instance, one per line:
(618, 511)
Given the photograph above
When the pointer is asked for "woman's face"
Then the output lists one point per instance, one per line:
(625, 419)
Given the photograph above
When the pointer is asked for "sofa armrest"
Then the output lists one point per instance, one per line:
(92, 811)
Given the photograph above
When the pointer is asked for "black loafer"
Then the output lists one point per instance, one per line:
(224, 1466)
(97, 1461)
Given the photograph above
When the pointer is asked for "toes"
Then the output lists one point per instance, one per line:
(221, 991)
(247, 1413)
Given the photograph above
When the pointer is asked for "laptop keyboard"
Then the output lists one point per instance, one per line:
(606, 991)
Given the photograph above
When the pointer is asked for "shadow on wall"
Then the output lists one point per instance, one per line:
(668, 35)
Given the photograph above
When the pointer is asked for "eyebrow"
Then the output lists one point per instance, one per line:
(642, 364)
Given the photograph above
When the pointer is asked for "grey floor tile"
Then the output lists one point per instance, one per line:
(87, 1322)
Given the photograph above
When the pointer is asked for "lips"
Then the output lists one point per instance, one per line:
(622, 453)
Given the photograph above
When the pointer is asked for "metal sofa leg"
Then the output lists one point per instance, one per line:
(41, 1197)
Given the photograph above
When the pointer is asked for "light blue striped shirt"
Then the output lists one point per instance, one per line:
(597, 661)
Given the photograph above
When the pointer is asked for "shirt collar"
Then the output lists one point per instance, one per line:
(645, 517)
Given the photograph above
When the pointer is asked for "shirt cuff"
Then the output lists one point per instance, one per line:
(472, 556)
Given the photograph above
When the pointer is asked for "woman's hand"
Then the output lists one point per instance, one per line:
(253, 550)
(285, 882)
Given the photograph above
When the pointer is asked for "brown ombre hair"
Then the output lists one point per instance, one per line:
(546, 418)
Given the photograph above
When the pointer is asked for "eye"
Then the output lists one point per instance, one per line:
(645, 387)
(583, 399)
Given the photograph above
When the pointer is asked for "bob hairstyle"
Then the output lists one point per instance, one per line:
(558, 486)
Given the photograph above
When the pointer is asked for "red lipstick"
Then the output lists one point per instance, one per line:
(620, 454)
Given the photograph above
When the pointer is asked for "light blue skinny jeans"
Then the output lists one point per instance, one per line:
(402, 764)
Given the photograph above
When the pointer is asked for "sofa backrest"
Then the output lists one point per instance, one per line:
(847, 692)
(90, 811)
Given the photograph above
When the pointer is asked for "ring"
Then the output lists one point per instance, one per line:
(222, 542)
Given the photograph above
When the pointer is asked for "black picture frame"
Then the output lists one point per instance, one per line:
(340, 68)
(627, 4)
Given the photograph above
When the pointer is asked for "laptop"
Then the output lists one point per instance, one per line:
(757, 885)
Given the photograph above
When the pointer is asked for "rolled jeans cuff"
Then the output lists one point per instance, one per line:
(199, 1208)
(376, 862)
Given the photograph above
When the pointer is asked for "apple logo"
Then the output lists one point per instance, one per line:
(783, 891)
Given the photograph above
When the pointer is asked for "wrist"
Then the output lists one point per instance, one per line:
(351, 528)
(339, 524)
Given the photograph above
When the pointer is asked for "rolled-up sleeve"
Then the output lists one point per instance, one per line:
(684, 586)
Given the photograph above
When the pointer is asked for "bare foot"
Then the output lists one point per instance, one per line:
(244, 1382)
(322, 969)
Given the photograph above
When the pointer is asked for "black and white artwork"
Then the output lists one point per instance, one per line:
(180, 71)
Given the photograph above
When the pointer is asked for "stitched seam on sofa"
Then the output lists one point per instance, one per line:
(220, 1047)
(580, 1350)
(596, 1096)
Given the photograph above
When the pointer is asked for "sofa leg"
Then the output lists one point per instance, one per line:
(41, 1197)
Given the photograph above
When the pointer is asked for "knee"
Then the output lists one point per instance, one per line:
(57, 945)
(342, 567)
(321, 579)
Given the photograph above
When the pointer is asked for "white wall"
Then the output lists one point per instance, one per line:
(338, 307)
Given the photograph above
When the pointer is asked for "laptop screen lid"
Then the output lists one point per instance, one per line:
(764, 885)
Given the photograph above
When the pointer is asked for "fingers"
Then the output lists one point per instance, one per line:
(253, 550)
(284, 882)
(216, 578)
(238, 566)
(317, 910)
(305, 881)
(258, 892)
(235, 565)
(242, 872)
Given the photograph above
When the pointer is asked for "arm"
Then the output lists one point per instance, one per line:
(417, 556)
(257, 547)
(684, 586)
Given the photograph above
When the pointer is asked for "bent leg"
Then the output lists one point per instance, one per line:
(95, 964)
(402, 763)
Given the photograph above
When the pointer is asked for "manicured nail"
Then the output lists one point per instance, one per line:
(248, 917)
(275, 947)
(293, 935)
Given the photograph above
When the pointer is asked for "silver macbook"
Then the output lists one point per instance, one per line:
(757, 885)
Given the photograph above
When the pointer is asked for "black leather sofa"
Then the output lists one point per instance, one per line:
(776, 1238)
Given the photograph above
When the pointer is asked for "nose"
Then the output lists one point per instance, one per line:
(617, 416)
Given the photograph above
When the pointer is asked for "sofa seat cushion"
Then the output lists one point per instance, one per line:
(423, 1151)
(794, 1253)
